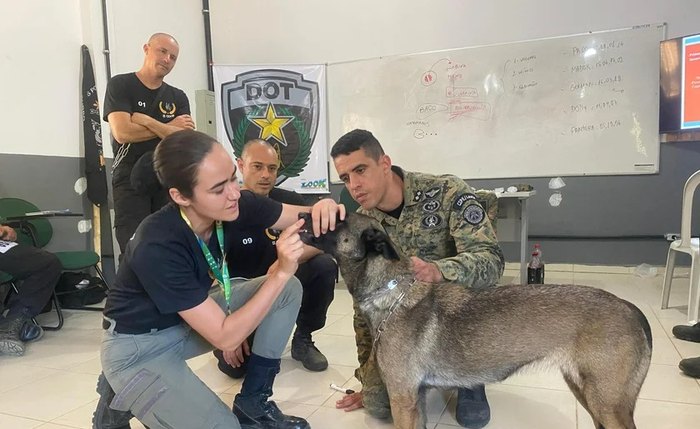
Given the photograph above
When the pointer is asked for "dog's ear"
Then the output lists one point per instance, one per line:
(377, 241)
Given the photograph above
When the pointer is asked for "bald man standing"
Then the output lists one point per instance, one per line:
(141, 110)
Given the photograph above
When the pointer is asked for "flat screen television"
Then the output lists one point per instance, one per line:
(679, 105)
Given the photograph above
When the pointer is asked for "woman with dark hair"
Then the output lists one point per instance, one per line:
(173, 298)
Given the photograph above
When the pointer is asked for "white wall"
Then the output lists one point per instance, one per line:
(40, 66)
(319, 31)
(131, 23)
(40, 43)
(40, 63)
(39, 77)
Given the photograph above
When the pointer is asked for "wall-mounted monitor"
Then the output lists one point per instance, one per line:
(679, 108)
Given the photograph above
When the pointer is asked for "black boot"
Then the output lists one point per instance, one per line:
(30, 332)
(690, 367)
(105, 417)
(20, 318)
(10, 343)
(473, 409)
(687, 333)
(304, 350)
(252, 407)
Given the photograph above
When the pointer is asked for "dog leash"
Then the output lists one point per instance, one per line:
(392, 284)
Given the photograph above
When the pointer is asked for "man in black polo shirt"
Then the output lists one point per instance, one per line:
(255, 250)
(141, 110)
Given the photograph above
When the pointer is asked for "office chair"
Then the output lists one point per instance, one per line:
(6, 278)
(38, 233)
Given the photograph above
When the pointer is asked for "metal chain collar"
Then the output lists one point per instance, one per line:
(393, 308)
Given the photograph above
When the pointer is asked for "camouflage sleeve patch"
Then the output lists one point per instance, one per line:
(432, 220)
(474, 214)
(463, 199)
(433, 192)
(489, 201)
(478, 260)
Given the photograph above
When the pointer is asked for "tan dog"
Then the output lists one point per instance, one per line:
(445, 335)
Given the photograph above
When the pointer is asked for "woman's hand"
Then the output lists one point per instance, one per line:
(289, 249)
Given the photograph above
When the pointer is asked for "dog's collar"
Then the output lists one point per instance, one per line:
(391, 284)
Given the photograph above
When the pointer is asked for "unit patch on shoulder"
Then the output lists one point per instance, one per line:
(431, 206)
(417, 196)
(431, 221)
(473, 214)
(461, 200)
(272, 234)
(433, 192)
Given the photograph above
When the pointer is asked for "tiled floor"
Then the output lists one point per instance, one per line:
(53, 385)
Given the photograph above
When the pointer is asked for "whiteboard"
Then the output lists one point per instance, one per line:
(567, 106)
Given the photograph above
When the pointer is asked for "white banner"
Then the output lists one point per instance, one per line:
(285, 105)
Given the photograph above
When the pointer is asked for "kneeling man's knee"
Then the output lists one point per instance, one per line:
(292, 292)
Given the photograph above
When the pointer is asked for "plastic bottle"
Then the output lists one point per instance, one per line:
(538, 249)
(535, 268)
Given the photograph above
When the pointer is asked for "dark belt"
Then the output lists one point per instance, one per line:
(121, 329)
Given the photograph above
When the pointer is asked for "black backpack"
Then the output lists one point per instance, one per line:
(78, 289)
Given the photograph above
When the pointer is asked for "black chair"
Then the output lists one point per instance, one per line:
(6, 278)
(38, 233)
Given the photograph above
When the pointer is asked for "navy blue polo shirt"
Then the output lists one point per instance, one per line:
(163, 270)
(256, 247)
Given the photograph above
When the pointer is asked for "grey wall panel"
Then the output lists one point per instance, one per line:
(608, 206)
(48, 182)
(628, 207)
(614, 205)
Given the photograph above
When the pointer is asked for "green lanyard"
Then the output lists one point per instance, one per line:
(221, 274)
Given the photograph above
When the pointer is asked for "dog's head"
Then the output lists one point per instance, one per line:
(363, 251)
(356, 238)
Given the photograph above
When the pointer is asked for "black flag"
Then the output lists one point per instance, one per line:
(95, 171)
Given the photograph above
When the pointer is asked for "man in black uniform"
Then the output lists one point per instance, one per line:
(255, 254)
(142, 109)
(36, 272)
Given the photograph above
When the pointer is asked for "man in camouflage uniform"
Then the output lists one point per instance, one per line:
(439, 221)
